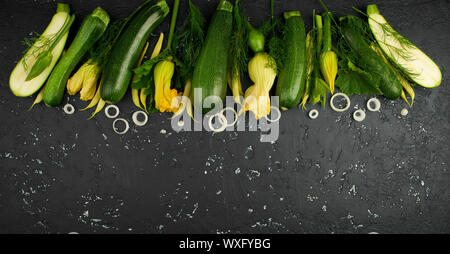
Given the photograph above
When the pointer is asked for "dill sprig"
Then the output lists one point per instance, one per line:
(100, 52)
(401, 51)
(276, 45)
(187, 43)
(43, 45)
(238, 55)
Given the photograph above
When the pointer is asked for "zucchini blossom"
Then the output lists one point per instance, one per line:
(261, 70)
(328, 59)
(165, 98)
(329, 68)
(235, 86)
(84, 81)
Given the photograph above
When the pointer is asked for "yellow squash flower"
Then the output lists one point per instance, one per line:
(84, 81)
(262, 73)
(165, 97)
(235, 86)
(329, 68)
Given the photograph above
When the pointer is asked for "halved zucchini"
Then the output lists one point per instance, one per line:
(405, 55)
(18, 82)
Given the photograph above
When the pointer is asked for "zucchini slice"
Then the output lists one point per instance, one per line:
(405, 55)
(60, 23)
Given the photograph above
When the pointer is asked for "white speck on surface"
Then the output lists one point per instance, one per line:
(374, 215)
(163, 131)
(237, 171)
(352, 190)
(404, 112)
(311, 198)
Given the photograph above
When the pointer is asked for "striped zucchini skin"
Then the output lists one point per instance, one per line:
(210, 72)
(92, 28)
(292, 76)
(127, 50)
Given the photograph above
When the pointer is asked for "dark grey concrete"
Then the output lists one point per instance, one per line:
(389, 174)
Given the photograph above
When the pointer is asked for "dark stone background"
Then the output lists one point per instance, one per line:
(390, 174)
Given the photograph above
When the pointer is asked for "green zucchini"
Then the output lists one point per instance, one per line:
(210, 72)
(367, 58)
(127, 50)
(92, 28)
(405, 55)
(292, 75)
(36, 65)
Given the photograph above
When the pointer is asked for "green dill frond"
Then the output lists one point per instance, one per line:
(29, 42)
(401, 51)
(238, 55)
(100, 52)
(43, 44)
(277, 45)
(188, 42)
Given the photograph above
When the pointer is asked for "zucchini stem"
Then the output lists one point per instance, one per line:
(319, 26)
(326, 32)
(272, 10)
(173, 22)
(60, 7)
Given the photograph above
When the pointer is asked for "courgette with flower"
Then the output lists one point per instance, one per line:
(36, 65)
(317, 87)
(328, 58)
(91, 30)
(165, 96)
(84, 80)
(155, 75)
(126, 51)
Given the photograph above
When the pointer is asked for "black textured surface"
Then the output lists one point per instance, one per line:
(389, 174)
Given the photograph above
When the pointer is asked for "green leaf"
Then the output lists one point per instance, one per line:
(42, 62)
(144, 73)
(319, 92)
(353, 80)
(188, 41)
(145, 81)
